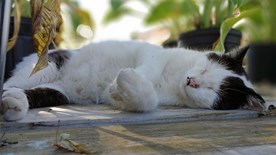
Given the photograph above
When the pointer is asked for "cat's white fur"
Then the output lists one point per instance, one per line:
(132, 76)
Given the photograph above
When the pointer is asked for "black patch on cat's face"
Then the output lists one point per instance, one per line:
(59, 57)
(228, 62)
(233, 94)
(45, 97)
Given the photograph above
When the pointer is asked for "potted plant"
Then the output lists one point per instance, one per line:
(183, 16)
(262, 52)
(201, 21)
(259, 25)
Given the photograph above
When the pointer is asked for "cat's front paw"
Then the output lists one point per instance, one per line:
(14, 104)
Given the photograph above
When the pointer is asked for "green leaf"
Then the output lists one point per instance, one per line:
(189, 7)
(221, 12)
(249, 4)
(163, 10)
(229, 23)
(113, 15)
(206, 15)
(80, 16)
(168, 10)
(116, 4)
(116, 11)
(236, 3)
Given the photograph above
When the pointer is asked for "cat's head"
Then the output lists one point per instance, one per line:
(219, 81)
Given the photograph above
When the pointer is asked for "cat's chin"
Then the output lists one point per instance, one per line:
(182, 90)
(198, 97)
(189, 93)
(185, 91)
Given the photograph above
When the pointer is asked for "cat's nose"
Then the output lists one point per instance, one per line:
(192, 82)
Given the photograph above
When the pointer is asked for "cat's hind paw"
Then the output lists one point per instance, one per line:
(14, 104)
(132, 92)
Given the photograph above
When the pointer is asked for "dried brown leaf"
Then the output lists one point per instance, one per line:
(46, 19)
(69, 145)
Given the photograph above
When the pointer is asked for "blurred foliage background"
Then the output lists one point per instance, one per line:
(162, 19)
(176, 15)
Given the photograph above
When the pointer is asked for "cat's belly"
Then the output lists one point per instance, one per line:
(87, 85)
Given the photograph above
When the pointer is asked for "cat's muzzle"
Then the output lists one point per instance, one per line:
(190, 81)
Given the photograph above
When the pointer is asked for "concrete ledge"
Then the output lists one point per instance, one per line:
(97, 115)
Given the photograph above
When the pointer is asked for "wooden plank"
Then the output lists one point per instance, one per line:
(95, 115)
(163, 131)
(239, 136)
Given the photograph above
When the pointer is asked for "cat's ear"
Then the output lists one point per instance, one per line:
(238, 54)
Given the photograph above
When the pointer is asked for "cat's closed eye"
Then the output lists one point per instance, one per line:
(203, 72)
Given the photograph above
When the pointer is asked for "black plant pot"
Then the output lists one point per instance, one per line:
(262, 62)
(23, 46)
(170, 44)
(203, 39)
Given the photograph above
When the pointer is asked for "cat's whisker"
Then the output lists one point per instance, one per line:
(237, 91)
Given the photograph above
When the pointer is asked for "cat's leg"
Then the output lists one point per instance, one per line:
(23, 91)
(131, 91)
(23, 79)
(16, 102)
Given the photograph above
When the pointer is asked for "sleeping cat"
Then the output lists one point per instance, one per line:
(131, 76)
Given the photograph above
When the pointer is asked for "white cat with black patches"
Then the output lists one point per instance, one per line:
(131, 76)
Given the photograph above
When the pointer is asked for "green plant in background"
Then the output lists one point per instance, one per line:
(24, 7)
(261, 25)
(192, 14)
(256, 19)
(81, 24)
(177, 15)
(160, 12)
(120, 8)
